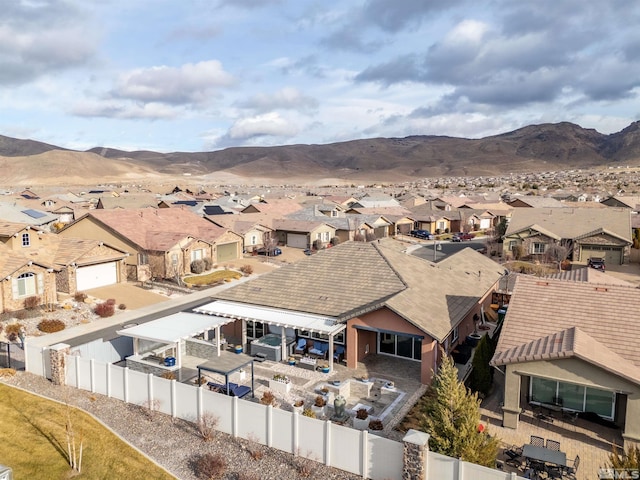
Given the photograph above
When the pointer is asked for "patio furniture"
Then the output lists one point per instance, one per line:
(319, 349)
(232, 389)
(544, 455)
(536, 441)
(573, 469)
(554, 471)
(308, 363)
(338, 354)
(553, 445)
(515, 456)
(301, 346)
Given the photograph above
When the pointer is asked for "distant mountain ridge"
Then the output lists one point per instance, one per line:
(528, 149)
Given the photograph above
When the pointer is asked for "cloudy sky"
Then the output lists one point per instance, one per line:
(191, 75)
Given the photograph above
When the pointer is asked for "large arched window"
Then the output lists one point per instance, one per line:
(26, 284)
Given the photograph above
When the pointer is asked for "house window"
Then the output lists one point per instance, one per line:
(196, 255)
(26, 284)
(334, 213)
(254, 240)
(442, 226)
(537, 247)
(26, 240)
(404, 346)
(326, 236)
(255, 329)
(143, 259)
(572, 396)
(512, 245)
(454, 335)
(174, 259)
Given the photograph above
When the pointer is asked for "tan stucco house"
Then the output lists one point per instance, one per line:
(369, 299)
(161, 242)
(585, 232)
(572, 345)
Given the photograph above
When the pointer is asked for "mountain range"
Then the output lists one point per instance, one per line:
(534, 148)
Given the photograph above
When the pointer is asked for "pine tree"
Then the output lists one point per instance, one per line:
(451, 415)
(480, 379)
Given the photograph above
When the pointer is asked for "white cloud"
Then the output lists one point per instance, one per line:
(288, 98)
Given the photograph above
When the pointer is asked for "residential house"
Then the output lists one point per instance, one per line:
(572, 346)
(161, 242)
(532, 201)
(60, 265)
(585, 233)
(630, 202)
(253, 234)
(369, 299)
(375, 201)
(436, 221)
(392, 220)
(17, 213)
(302, 233)
(108, 202)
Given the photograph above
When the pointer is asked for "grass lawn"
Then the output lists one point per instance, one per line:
(213, 277)
(34, 443)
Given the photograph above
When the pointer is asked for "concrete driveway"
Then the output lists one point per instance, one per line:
(130, 294)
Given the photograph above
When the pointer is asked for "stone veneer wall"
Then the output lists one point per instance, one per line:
(201, 349)
(416, 450)
(58, 363)
(148, 368)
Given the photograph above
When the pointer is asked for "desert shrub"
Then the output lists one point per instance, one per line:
(32, 302)
(320, 401)
(7, 372)
(362, 414)
(376, 424)
(209, 466)
(111, 301)
(246, 269)
(50, 326)
(104, 310)
(20, 314)
(208, 263)
(335, 241)
(122, 306)
(197, 266)
(307, 412)
(168, 375)
(207, 426)
(298, 403)
(80, 297)
(268, 398)
(13, 328)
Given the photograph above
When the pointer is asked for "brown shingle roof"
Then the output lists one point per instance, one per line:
(158, 228)
(543, 307)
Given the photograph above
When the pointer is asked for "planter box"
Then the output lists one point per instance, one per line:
(299, 410)
(319, 411)
(360, 424)
(279, 387)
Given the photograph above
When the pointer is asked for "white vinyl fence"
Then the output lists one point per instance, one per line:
(342, 447)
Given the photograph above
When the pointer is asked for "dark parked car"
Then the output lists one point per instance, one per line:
(460, 237)
(273, 252)
(596, 262)
(425, 235)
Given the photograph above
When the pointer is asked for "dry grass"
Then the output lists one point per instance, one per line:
(213, 277)
(35, 446)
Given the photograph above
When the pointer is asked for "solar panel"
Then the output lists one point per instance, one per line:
(34, 213)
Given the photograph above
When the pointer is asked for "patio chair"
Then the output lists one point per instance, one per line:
(515, 456)
(554, 471)
(319, 350)
(572, 470)
(338, 354)
(536, 441)
(301, 346)
(553, 445)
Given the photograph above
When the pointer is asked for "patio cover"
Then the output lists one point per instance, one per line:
(173, 328)
(273, 316)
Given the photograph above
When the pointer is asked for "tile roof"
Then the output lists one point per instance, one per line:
(62, 251)
(10, 261)
(355, 277)
(572, 222)
(543, 307)
(538, 202)
(591, 275)
(158, 228)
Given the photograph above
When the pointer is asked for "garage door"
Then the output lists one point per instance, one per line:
(94, 276)
(611, 255)
(227, 252)
(297, 240)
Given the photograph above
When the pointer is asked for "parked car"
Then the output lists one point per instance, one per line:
(273, 252)
(425, 235)
(597, 263)
(308, 251)
(460, 237)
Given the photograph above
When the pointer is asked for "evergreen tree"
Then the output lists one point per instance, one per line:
(480, 379)
(629, 459)
(451, 415)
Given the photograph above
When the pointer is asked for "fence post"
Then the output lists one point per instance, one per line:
(327, 443)
(77, 362)
(199, 405)
(57, 359)
(234, 416)
(108, 380)
(269, 426)
(295, 435)
(416, 455)
(125, 386)
(365, 453)
(460, 465)
(92, 374)
(150, 391)
(174, 407)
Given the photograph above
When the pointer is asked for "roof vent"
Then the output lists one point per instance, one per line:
(323, 297)
(543, 284)
(601, 289)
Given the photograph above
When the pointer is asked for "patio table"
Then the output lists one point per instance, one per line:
(545, 455)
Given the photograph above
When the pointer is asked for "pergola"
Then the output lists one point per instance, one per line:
(274, 316)
(170, 330)
(227, 365)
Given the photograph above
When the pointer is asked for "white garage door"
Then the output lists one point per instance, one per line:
(297, 240)
(95, 276)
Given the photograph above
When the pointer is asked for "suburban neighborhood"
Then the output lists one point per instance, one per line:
(315, 321)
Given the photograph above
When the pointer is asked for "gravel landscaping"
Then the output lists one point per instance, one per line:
(175, 444)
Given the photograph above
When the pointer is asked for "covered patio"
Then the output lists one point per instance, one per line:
(285, 320)
(163, 345)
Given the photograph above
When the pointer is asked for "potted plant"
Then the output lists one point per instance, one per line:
(308, 412)
(326, 393)
(280, 383)
(298, 406)
(361, 420)
(376, 424)
(319, 406)
(291, 361)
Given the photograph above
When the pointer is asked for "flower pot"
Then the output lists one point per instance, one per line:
(360, 423)
(297, 410)
(319, 411)
(279, 387)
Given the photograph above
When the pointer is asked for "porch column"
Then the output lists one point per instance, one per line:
(136, 345)
(631, 435)
(331, 352)
(244, 334)
(178, 354)
(218, 340)
(511, 408)
(283, 345)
